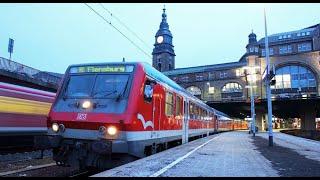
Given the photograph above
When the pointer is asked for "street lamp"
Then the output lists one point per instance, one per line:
(252, 79)
(267, 80)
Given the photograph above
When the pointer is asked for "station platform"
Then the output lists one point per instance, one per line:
(228, 154)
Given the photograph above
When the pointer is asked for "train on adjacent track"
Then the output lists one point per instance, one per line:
(107, 110)
(23, 116)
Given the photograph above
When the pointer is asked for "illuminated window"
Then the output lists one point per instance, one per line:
(231, 90)
(239, 72)
(178, 106)
(232, 87)
(169, 104)
(194, 90)
(211, 90)
(294, 77)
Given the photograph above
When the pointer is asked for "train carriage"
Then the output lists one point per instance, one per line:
(23, 114)
(122, 108)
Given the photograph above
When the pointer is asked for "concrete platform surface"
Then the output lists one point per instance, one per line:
(305, 147)
(225, 154)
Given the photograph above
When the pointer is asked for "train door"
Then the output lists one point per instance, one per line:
(148, 107)
(185, 122)
(157, 107)
(216, 121)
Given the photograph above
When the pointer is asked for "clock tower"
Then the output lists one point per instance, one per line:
(163, 54)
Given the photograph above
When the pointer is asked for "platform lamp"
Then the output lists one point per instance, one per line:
(251, 76)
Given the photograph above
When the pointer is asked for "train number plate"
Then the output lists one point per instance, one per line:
(81, 116)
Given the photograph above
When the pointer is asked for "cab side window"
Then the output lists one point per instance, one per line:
(148, 90)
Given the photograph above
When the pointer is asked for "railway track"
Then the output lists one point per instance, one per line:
(46, 170)
(29, 168)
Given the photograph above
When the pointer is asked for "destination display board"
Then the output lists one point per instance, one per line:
(102, 69)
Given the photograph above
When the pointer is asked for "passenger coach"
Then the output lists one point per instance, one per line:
(109, 109)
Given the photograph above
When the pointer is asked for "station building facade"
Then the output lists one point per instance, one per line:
(294, 56)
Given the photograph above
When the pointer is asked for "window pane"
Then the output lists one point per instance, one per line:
(294, 70)
(312, 83)
(169, 104)
(295, 84)
(304, 83)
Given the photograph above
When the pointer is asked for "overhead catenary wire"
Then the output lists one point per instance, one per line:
(123, 24)
(109, 22)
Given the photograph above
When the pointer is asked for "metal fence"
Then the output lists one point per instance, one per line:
(14, 67)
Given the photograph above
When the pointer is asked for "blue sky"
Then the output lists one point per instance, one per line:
(50, 37)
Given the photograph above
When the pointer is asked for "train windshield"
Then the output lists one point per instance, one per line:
(97, 86)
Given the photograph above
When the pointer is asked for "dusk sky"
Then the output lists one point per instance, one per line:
(50, 37)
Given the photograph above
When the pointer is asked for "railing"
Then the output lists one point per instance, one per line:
(14, 67)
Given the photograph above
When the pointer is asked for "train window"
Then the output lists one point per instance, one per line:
(191, 107)
(196, 112)
(148, 90)
(110, 86)
(178, 106)
(169, 104)
(79, 86)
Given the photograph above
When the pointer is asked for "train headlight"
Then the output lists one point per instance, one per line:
(86, 104)
(55, 127)
(112, 130)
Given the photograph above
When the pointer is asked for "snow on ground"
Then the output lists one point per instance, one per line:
(228, 154)
(306, 147)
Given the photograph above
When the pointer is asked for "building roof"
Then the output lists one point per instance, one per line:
(291, 35)
(205, 68)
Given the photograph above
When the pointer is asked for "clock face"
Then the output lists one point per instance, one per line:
(160, 39)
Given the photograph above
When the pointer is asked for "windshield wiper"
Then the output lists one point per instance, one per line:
(112, 92)
(124, 90)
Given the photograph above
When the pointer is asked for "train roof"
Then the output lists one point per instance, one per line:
(151, 71)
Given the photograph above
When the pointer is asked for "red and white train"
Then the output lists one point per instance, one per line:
(108, 109)
(23, 114)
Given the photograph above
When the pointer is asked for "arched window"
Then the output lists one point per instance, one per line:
(294, 78)
(169, 66)
(194, 90)
(159, 66)
(231, 90)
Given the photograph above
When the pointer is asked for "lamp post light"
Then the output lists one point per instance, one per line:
(252, 80)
